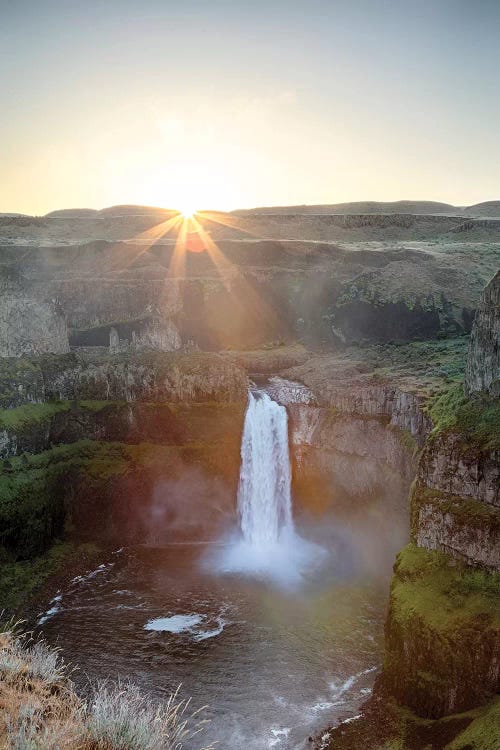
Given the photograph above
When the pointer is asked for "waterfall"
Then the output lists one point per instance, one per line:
(264, 497)
(266, 545)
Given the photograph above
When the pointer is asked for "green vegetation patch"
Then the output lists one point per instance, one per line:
(22, 417)
(483, 733)
(33, 490)
(436, 360)
(99, 406)
(20, 380)
(20, 579)
(443, 592)
(385, 725)
(477, 419)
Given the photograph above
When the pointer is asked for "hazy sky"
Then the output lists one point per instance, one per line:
(229, 104)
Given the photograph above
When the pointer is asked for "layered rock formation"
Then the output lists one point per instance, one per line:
(443, 629)
(483, 364)
(331, 279)
(29, 325)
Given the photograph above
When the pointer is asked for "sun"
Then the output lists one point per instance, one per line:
(187, 211)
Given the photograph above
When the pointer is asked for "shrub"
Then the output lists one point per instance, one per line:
(40, 711)
(120, 717)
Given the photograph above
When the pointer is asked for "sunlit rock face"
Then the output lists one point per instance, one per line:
(483, 364)
(27, 325)
(349, 453)
(157, 335)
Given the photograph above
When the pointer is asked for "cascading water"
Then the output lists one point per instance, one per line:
(267, 545)
(264, 496)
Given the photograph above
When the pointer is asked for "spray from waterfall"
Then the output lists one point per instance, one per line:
(267, 544)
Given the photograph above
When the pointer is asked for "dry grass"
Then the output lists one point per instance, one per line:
(39, 709)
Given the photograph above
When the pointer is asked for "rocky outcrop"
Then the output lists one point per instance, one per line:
(483, 364)
(129, 376)
(455, 501)
(63, 423)
(452, 465)
(340, 458)
(156, 335)
(343, 386)
(29, 326)
(466, 530)
(107, 270)
(442, 635)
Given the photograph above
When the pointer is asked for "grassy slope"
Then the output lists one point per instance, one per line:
(478, 420)
(444, 593)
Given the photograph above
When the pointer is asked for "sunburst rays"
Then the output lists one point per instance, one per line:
(191, 233)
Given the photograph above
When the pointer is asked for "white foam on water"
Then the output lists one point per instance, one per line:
(203, 635)
(198, 627)
(174, 624)
(278, 736)
(103, 568)
(339, 690)
(323, 706)
(54, 607)
(352, 718)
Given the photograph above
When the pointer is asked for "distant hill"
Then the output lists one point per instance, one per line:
(72, 213)
(487, 208)
(131, 210)
(360, 207)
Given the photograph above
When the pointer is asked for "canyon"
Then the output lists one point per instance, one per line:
(122, 372)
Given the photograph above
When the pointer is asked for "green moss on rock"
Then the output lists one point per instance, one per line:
(442, 634)
(477, 419)
(24, 417)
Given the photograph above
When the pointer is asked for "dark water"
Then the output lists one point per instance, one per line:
(273, 666)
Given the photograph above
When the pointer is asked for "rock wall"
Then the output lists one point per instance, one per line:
(345, 459)
(483, 365)
(130, 376)
(29, 326)
(442, 637)
(344, 387)
(442, 647)
(455, 500)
